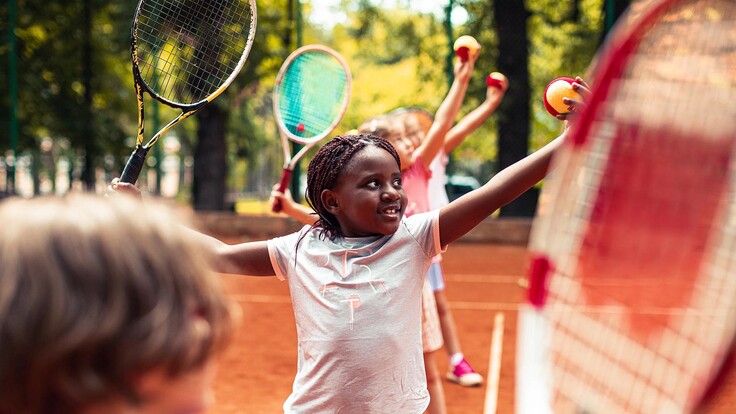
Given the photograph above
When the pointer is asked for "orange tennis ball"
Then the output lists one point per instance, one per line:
(498, 80)
(554, 93)
(466, 46)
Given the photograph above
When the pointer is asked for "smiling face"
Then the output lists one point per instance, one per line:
(367, 199)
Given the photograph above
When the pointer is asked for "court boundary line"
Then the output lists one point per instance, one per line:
(285, 299)
(494, 365)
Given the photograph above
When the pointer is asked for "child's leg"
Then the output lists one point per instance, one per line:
(461, 371)
(447, 323)
(434, 385)
(431, 342)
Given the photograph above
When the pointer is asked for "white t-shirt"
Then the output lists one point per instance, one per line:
(358, 309)
(436, 189)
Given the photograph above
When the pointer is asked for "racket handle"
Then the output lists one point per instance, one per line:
(134, 165)
(285, 179)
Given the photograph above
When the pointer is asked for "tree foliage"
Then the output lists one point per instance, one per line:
(397, 56)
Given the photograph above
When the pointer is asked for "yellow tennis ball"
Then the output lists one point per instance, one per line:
(555, 92)
(466, 46)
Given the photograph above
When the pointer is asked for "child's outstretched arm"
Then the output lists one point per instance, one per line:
(445, 116)
(250, 259)
(241, 259)
(476, 117)
(463, 214)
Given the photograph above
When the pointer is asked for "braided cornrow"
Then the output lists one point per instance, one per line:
(326, 167)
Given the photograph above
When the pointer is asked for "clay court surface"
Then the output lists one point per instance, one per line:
(482, 280)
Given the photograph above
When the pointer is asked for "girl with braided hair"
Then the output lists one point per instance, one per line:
(356, 275)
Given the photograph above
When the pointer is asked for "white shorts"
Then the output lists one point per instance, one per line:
(431, 329)
(436, 280)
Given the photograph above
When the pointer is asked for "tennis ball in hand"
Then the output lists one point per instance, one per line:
(466, 46)
(557, 90)
(497, 79)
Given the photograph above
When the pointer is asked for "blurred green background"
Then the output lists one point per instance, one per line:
(68, 108)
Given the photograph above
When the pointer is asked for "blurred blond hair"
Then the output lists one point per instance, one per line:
(95, 292)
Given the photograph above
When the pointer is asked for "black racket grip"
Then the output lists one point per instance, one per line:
(285, 178)
(134, 166)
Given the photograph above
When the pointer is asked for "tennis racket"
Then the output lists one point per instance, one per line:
(310, 97)
(632, 270)
(185, 54)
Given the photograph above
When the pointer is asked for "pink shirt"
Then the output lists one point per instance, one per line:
(415, 181)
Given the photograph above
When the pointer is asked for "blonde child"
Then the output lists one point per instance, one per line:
(105, 308)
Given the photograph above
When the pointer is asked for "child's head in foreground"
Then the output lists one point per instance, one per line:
(106, 306)
(354, 185)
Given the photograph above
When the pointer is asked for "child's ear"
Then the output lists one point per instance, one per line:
(329, 201)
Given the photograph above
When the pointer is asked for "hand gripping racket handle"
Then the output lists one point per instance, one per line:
(285, 178)
(134, 165)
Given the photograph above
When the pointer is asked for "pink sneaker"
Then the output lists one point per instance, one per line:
(464, 375)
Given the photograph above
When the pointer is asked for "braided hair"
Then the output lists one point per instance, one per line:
(325, 168)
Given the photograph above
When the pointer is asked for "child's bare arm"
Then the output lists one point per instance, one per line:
(299, 212)
(476, 117)
(460, 216)
(446, 113)
(463, 214)
(242, 259)
(250, 259)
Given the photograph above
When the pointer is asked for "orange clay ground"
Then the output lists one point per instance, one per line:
(482, 281)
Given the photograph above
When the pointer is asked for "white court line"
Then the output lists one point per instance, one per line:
(494, 365)
(285, 299)
(478, 278)
(491, 306)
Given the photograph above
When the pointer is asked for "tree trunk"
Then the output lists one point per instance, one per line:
(513, 119)
(612, 10)
(210, 160)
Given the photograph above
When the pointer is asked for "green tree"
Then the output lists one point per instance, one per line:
(69, 86)
(76, 91)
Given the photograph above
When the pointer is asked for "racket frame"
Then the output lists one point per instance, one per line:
(533, 326)
(137, 158)
(287, 136)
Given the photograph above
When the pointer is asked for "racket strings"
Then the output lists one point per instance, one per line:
(186, 50)
(312, 94)
(683, 71)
